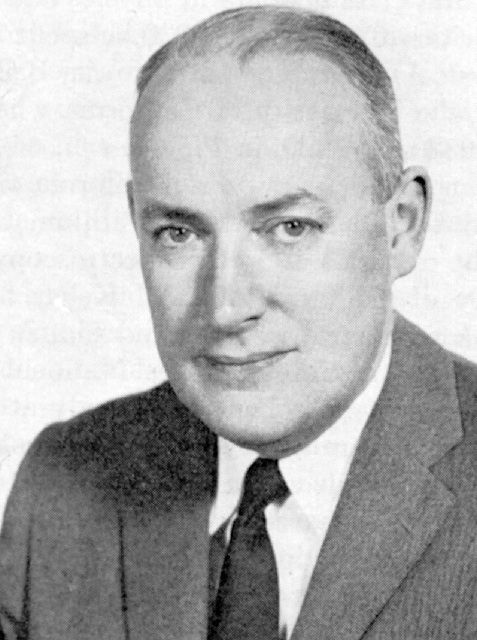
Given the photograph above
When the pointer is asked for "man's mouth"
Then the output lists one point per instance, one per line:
(237, 369)
(240, 361)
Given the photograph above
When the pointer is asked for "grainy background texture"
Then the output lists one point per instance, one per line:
(75, 323)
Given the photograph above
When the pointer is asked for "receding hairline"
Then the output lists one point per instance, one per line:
(245, 33)
(154, 102)
(173, 71)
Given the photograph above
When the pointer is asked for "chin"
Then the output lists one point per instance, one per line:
(266, 428)
(239, 418)
(246, 426)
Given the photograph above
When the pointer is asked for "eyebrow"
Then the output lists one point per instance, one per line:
(286, 201)
(159, 209)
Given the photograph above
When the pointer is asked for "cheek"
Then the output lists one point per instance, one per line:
(373, 264)
(344, 292)
(365, 254)
(169, 296)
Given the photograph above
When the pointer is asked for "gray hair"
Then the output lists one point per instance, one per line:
(248, 31)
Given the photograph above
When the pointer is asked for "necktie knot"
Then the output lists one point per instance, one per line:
(263, 485)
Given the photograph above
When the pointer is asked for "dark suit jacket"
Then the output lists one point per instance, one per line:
(105, 534)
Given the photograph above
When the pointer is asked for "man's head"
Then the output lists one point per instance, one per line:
(273, 216)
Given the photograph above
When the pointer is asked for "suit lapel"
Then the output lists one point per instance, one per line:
(165, 531)
(391, 506)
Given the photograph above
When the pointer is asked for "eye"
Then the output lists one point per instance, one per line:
(173, 236)
(290, 231)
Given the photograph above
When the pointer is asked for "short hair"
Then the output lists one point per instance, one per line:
(248, 31)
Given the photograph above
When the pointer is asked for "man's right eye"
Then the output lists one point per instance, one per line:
(173, 236)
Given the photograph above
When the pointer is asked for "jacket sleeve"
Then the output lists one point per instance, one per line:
(60, 568)
(15, 551)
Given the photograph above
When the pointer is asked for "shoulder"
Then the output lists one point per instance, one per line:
(96, 434)
(128, 449)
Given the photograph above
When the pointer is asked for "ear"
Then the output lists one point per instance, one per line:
(130, 194)
(407, 213)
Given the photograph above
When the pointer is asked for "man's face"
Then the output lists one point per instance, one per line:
(265, 258)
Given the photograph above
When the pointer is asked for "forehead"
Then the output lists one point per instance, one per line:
(279, 114)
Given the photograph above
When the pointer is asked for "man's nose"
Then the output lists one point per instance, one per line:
(236, 296)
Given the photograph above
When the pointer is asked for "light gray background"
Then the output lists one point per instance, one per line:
(74, 318)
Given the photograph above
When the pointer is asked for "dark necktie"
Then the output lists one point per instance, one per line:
(246, 607)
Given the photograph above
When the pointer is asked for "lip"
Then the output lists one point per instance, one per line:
(240, 372)
(260, 357)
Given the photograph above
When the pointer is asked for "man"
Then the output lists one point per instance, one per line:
(273, 216)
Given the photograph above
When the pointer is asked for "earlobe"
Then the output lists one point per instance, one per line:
(408, 215)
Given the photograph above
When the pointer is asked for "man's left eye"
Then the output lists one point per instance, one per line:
(174, 236)
(291, 230)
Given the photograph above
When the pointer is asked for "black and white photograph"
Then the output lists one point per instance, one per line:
(238, 301)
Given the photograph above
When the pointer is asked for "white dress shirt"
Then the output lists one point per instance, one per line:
(315, 477)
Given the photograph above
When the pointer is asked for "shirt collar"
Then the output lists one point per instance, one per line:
(313, 473)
